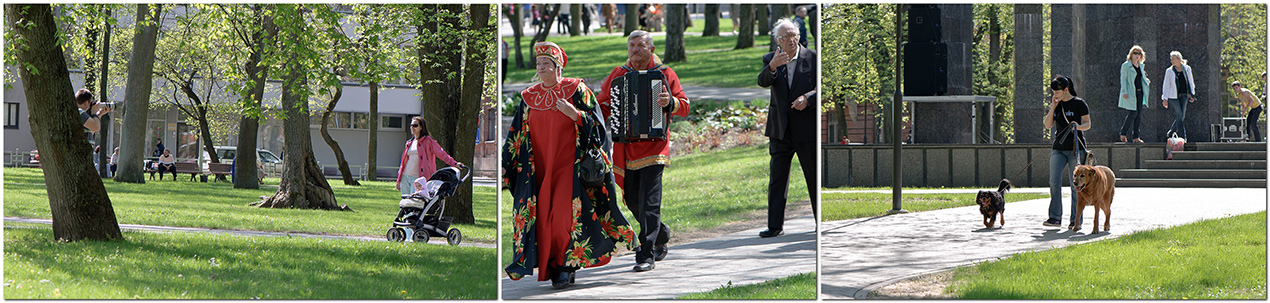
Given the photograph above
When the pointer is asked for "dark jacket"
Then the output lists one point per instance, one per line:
(783, 122)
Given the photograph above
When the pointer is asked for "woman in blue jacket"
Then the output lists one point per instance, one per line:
(1133, 88)
(1179, 89)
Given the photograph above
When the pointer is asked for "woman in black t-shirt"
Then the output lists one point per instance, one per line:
(1066, 112)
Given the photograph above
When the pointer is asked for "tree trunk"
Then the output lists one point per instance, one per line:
(372, 140)
(675, 15)
(442, 78)
(632, 19)
(778, 11)
(464, 149)
(345, 173)
(249, 125)
(761, 16)
(132, 149)
(712, 21)
(575, 19)
(745, 32)
(198, 109)
(551, 12)
(303, 185)
(80, 207)
(106, 124)
(518, 31)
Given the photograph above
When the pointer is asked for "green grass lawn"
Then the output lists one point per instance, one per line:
(711, 60)
(796, 287)
(219, 205)
(707, 190)
(1211, 259)
(842, 206)
(203, 266)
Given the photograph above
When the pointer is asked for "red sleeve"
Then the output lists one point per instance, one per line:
(602, 97)
(680, 106)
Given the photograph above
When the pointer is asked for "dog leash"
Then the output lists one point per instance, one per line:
(1029, 163)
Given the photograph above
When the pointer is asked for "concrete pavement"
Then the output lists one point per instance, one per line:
(860, 255)
(739, 258)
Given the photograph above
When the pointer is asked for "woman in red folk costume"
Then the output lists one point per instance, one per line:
(559, 225)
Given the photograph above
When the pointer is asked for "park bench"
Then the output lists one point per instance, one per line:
(189, 168)
(219, 169)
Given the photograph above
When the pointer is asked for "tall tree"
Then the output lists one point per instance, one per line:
(745, 32)
(712, 21)
(575, 19)
(78, 201)
(762, 15)
(189, 57)
(515, 16)
(858, 52)
(1243, 49)
(675, 16)
(778, 11)
(480, 32)
(345, 172)
(103, 137)
(632, 19)
(302, 35)
(253, 30)
(132, 149)
(376, 56)
(549, 13)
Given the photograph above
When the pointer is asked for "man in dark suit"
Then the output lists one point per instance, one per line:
(792, 74)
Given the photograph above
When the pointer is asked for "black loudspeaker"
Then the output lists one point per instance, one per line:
(924, 23)
(925, 68)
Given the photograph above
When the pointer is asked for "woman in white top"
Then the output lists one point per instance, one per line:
(167, 163)
(1178, 91)
(420, 156)
(114, 161)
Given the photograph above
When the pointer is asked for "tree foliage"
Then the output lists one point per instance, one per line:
(1243, 53)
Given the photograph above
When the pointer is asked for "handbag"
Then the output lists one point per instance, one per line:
(592, 169)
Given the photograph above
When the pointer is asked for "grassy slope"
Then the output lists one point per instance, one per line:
(842, 206)
(706, 190)
(200, 266)
(796, 287)
(711, 60)
(1211, 259)
(218, 205)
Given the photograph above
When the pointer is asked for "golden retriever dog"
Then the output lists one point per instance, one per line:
(1095, 185)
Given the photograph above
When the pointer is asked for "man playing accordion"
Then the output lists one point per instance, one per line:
(638, 165)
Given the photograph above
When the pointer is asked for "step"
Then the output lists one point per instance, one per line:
(1192, 173)
(1205, 164)
(1204, 183)
(1219, 155)
(1239, 146)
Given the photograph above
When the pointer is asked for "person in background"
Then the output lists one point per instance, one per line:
(420, 156)
(167, 163)
(114, 161)
(1179, 89)
(1249, 103)
(1134, 86)
(800, 17)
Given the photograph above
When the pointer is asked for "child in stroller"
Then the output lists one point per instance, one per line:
(420, 217)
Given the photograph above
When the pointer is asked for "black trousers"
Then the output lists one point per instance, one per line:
(783, 153)
(1255, 132)
(642, 193)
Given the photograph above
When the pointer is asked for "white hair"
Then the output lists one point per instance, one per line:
(784, 23)
(648, 37)
(1178, 55)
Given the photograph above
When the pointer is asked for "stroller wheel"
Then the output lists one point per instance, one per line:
(396, 234)
(421, 236)
(454, 237)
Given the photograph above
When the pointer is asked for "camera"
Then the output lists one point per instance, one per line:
(110, 105)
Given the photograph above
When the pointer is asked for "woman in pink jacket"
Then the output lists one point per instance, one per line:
(420, 156)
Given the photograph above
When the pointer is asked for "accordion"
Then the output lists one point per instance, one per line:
(635, 115)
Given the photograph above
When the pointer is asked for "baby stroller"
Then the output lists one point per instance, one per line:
(420, 217)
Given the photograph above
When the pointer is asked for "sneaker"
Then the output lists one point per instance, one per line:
(1052, 223)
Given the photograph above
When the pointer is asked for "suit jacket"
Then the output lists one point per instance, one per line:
(783, 122)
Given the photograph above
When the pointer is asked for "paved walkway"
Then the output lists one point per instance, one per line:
(244, 233)
(740, 258)
(860, 255)
(693, 92)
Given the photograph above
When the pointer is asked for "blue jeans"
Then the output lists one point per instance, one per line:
(1059, 160)
(1179, 115)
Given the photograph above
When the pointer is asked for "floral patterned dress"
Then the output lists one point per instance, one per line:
(559, 224)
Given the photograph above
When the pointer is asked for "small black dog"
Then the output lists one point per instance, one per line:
(992, 204)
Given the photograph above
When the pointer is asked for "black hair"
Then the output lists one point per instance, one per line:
(423, 127)
(1061, 82)
(83, 95)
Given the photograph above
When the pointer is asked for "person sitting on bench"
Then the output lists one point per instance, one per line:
(167, 163)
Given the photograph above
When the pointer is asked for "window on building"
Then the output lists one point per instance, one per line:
(360, 121)
(11, 115)
(340, 120)
(390, 122)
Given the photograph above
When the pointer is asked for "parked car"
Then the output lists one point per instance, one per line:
(270, 163)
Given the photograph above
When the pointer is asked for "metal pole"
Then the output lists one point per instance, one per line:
(897, 180)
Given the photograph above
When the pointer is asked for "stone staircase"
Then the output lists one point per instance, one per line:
(1211, 165)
